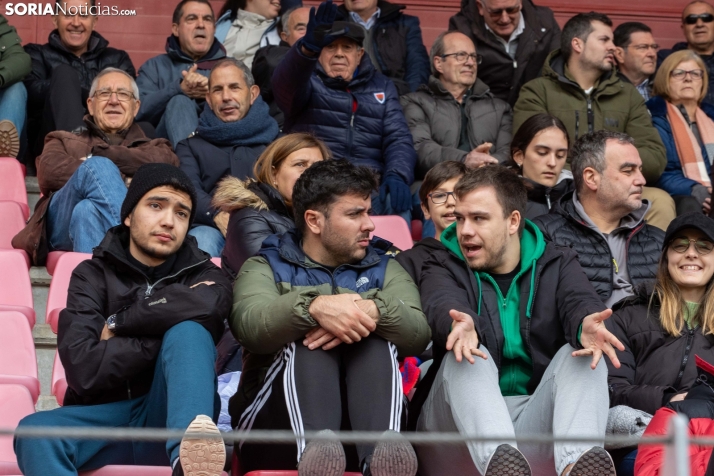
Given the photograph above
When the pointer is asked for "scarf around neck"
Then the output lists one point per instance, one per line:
(688, 148)
(256, 127)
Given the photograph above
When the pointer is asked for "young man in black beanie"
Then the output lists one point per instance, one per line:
(137, 340)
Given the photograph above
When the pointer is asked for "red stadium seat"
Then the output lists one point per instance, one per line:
(393, 228)
(236, 471)
(216, 261)
(52, 258)
(15, 404)
(12, 184)
(131, 471)
(57, 298)
(18, 362)
(13, 221)
(15, 287)
(59, 380)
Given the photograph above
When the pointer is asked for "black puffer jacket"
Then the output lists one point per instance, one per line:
(257, 211)
(413, 260)
(655, 365)
(564, 227)
(542, 199)
(122, 368)
(266, 60)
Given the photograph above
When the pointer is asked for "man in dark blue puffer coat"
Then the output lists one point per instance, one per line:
(327, 86)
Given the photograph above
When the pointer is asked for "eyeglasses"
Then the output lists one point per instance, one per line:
(498, 13)
(681, 245)
(680, 74)
(692, 19)
(643, 48)
(122, 96)
(462, 57)
(437, 198)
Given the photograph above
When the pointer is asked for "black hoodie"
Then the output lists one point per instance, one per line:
(122, 367)
(413, 260)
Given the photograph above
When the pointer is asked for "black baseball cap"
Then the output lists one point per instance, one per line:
(346, 29)
(696, 220)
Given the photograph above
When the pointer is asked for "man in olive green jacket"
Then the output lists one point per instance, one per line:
(15, 64)
(322, 313)
(581, 87)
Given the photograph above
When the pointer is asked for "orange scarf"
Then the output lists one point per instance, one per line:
(688, 148)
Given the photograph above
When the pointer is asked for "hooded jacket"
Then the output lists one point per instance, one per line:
(503, 74)
(553, 296)
(397, 46)
(673, 180)
(613, 105)
(542, 199)
(274, 290)
(360, 120)
(160, 77)
(257, 211)
(565, 227)
(225, 21)
(434, 119)
(122, 368)
(15, 63)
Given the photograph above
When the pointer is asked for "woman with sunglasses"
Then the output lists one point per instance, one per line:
(663, 328)
(686, 126)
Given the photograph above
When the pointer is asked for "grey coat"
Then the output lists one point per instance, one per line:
(434, 119)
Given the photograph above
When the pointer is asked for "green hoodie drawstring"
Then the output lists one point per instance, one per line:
(529, 307)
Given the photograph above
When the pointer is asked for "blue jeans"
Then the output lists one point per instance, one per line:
(627, 465)
(81, 212)
(13, 104)
(180, 119)
(382, 205)
(184, 386)
(209, 239)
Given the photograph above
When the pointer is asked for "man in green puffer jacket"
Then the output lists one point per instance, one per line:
(15, 64)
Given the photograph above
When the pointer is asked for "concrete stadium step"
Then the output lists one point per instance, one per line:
(33, 192)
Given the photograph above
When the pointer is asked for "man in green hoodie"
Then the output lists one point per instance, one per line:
(580, 86)
(524, 307)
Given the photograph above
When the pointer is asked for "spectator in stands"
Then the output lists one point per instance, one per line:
(664, 326)
(293, 25)
(244, 26)
(393, 41)
(539, 151)
(233, 130)
(603, 219)
(326, 86)
(456, 117)
(698, 28)
(288, 319)
(636, 55)
(514, 38)
(137, 340)
(262, 206)
(63, 70)
(15, 64)
(492, 375)
(581, 88)
(83, 174)
(437, 198)
(174, 85)
(686, 125)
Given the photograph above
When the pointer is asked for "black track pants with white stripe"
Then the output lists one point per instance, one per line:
(356, 386)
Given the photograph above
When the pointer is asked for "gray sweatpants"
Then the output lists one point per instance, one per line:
(571, 400)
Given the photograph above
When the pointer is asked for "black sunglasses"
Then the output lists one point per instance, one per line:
(692, 19)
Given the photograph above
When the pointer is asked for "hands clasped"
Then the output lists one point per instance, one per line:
(342, 318)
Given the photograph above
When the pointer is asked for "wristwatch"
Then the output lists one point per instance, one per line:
(112, 322)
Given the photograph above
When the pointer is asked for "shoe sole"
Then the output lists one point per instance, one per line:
(508, 461)
(394, 458)
(202, 456)
(9, 139)
(594, 462)
(323, 458)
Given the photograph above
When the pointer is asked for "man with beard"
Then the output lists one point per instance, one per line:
(234, 128)
(603, 219)
(518, 338)
(636, 55)
(322, 313)
(580, 86)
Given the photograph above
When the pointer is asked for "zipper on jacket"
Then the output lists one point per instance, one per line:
(577, 124)
(591, 116)
(150, 287)
(350, 134)
(685, 358)
(128, 389)
(547, 198)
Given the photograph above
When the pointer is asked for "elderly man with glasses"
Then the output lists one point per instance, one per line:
(456, 117)
(83, 175)
(698, 29)
(513, 36)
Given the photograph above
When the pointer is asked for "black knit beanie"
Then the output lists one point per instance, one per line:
(150, 176)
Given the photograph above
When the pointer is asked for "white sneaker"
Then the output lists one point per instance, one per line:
(202, 456)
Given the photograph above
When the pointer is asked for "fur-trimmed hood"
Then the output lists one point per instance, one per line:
(235, 194)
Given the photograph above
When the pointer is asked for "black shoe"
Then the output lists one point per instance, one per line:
(323, 457)
(594, 462)
(392, 458)
(508, 461)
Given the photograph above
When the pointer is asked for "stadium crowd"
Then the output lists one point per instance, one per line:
(562, 283)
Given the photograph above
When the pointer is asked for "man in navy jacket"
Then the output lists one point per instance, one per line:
(326, 85)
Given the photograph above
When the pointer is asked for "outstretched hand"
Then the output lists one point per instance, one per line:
(318, 25)
(463, 339)
(596, 339)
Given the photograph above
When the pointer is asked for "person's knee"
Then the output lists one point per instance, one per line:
(209, 239)
(180, 104)
(64, 74)
(186, 333)
(100, 165)
(17, 90)
(662, 208)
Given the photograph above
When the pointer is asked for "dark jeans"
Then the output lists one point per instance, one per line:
(184, 386)
(686, 204)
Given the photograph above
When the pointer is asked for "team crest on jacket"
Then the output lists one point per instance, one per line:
(380, 97)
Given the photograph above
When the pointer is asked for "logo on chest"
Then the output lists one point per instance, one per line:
(380, 97)
(361, 282)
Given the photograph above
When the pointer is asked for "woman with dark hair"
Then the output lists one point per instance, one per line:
(539, 150)
(663, 328)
